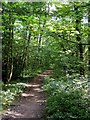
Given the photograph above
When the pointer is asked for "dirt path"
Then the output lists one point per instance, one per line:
(31, 102)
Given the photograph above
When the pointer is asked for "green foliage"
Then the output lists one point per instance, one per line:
(9, 91)
(67, 98)
(38, 36)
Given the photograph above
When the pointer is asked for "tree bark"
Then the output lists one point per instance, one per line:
(89, 42)
(80, 47)
(10, 47)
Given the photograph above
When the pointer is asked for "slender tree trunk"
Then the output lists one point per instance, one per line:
(39, 36)
(89, 48)
(42, 29)
(10, 47)
(80, 47)
(28, 46)
(27, 39)
(11, 58)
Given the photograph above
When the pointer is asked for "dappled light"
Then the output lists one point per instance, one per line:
(31, 103)
(32, 85)
(46, 60)
(44, 75)
(14, 114)
(40, 101)
(27, 95)
(38, 89)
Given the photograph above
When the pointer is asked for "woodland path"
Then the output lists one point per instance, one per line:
(30, 104)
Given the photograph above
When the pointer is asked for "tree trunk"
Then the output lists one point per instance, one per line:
(27, 50)
(27, 39)
(10, 41)
(89, 42)
(80, 47)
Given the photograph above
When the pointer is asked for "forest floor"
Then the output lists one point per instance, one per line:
(31, 103)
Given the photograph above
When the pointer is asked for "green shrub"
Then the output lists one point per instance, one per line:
(66, 99)
(9, 91)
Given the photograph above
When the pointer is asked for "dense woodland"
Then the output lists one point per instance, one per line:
(41, 35)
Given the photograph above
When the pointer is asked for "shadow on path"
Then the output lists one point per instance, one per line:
(30, 104)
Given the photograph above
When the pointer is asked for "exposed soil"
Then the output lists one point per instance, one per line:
(31, 103)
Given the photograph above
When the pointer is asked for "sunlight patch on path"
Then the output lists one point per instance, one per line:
(31, 101)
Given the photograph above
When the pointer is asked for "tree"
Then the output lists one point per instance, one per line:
(89, 47)
(78, 37)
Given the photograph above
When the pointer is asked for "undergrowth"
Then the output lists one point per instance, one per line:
(9, 92)
(67, 98)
